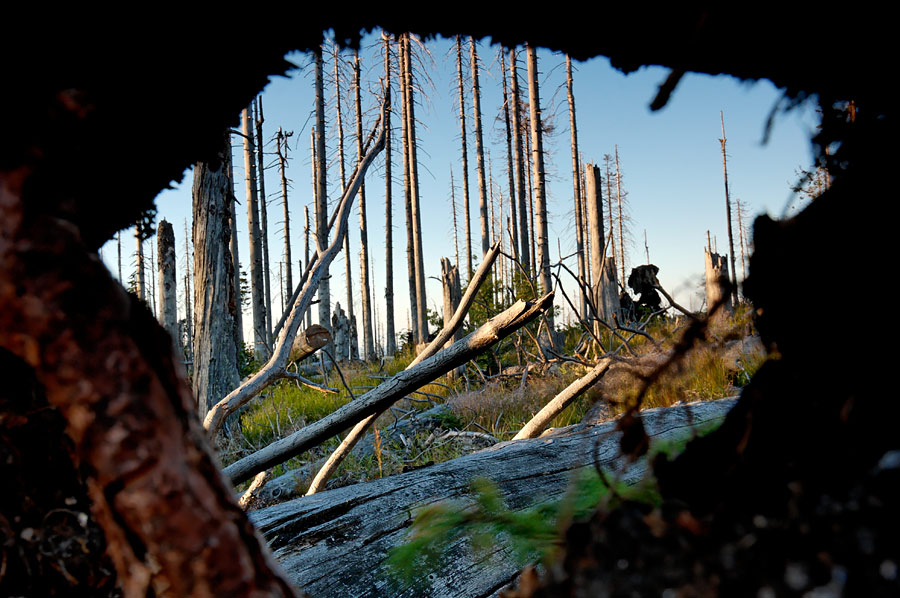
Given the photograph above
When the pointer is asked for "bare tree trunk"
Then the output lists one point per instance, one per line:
(597, 237)
(321, 193)
(453, 213)
(514, 227)
(540, 208)
(257, 289)
(119, 243)
(733, 277)
(576, 182)
(139, 267)
(524, 252)
(264, 219)
(235, 261)
(390, 334)
(368, 344)
(741, 233)
(607, 159)
(403, 57)
(622, 255)
(531, 182)
(306, 254)
(421, 301)
(479, 149)
(465, 159)
(188, 310)
(282, 165)
(167, 280)
(215, 361)
(152, 293)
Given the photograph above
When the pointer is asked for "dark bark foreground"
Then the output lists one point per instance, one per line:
(106, 368)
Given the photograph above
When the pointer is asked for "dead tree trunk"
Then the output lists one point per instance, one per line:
(263, 218)
(576, 183)
(306, 254)
(340, 325)
(733, 277)
(717, 284)
(368, 341)
(415, 197)
(281, 139)
(167, 280)
(524, 251)
(321, 192)
(510, 169)
(139, 267)
(607, 159)
(619, 200)
(479, 150)
(235, 261)
(540, 208)
(597, 238)
(390, 335)
(465, 158)
(257, 289)
(215, 354)
(403, 57)
(188, 308)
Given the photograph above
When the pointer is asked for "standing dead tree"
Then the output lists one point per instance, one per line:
(390, 343)
(465, 156)
(313, 277)
(257, 288)
(733, 278)
(368, 342)
(167, 280)
(479, 150)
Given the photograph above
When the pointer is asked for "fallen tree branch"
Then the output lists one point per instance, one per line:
(279, 360)
(433, 347)
(539, 422)
(387, 393)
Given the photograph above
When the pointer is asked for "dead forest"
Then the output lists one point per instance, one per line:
(268, 425)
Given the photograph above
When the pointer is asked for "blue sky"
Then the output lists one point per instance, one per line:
(671, 163)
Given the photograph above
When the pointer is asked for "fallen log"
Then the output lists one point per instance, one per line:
(388, 392)
(335, 543)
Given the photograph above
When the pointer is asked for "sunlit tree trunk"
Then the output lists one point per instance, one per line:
(525, 246)
(403, 58)
(168, 313)
(281, 140)
(257, 289)
(264, 219)
(215, 353)
(390, 343)
(540, 207)
(576, 181)
(479, 150)
(507, 119)
(368, 344)
(465, 156)
(321, 192)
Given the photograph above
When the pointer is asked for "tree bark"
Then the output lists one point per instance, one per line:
(465, 157)
(733, 277)
(403, 58)
(717, 284)
(235, 261)
(215, 354)
(168, 294)
(139, 268)
(263, 218)
(282, 165)
(390, 334)
(368, 341)
(170, 522)
(257, 289)
(390, 390)
(510, 169)
(374, 517)
(576, 183)
(479, 150)
(619, 202)
(521, 183)
(540, 208)
(321, 192)
(274, 368)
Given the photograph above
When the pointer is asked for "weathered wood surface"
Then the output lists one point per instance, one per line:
(335, 543)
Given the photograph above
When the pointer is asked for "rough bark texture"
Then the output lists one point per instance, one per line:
(321, 234)
(340, 326)
(282, 165)
(576, 183)
(479, 151)
(510, 169)
(521, 183)
(403, 60)
(465, 156)
(374, 517)
(594, 203)
(215, 354)
(364, 287)
(257, 288)
(390, 346)
(171, 527)
(263, 217)
(168, 293)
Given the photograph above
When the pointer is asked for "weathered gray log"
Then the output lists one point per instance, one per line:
(717, 285)
(335, 543)
(385, 394)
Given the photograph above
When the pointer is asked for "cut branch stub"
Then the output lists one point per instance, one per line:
(308, 342)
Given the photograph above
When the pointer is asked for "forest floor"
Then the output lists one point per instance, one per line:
(498, 394)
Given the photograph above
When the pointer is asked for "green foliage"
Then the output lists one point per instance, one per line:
(247, 361)
(530, 534)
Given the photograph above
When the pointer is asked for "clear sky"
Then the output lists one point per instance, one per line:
(671, 164)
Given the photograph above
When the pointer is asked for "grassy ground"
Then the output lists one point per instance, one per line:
(492, 404)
